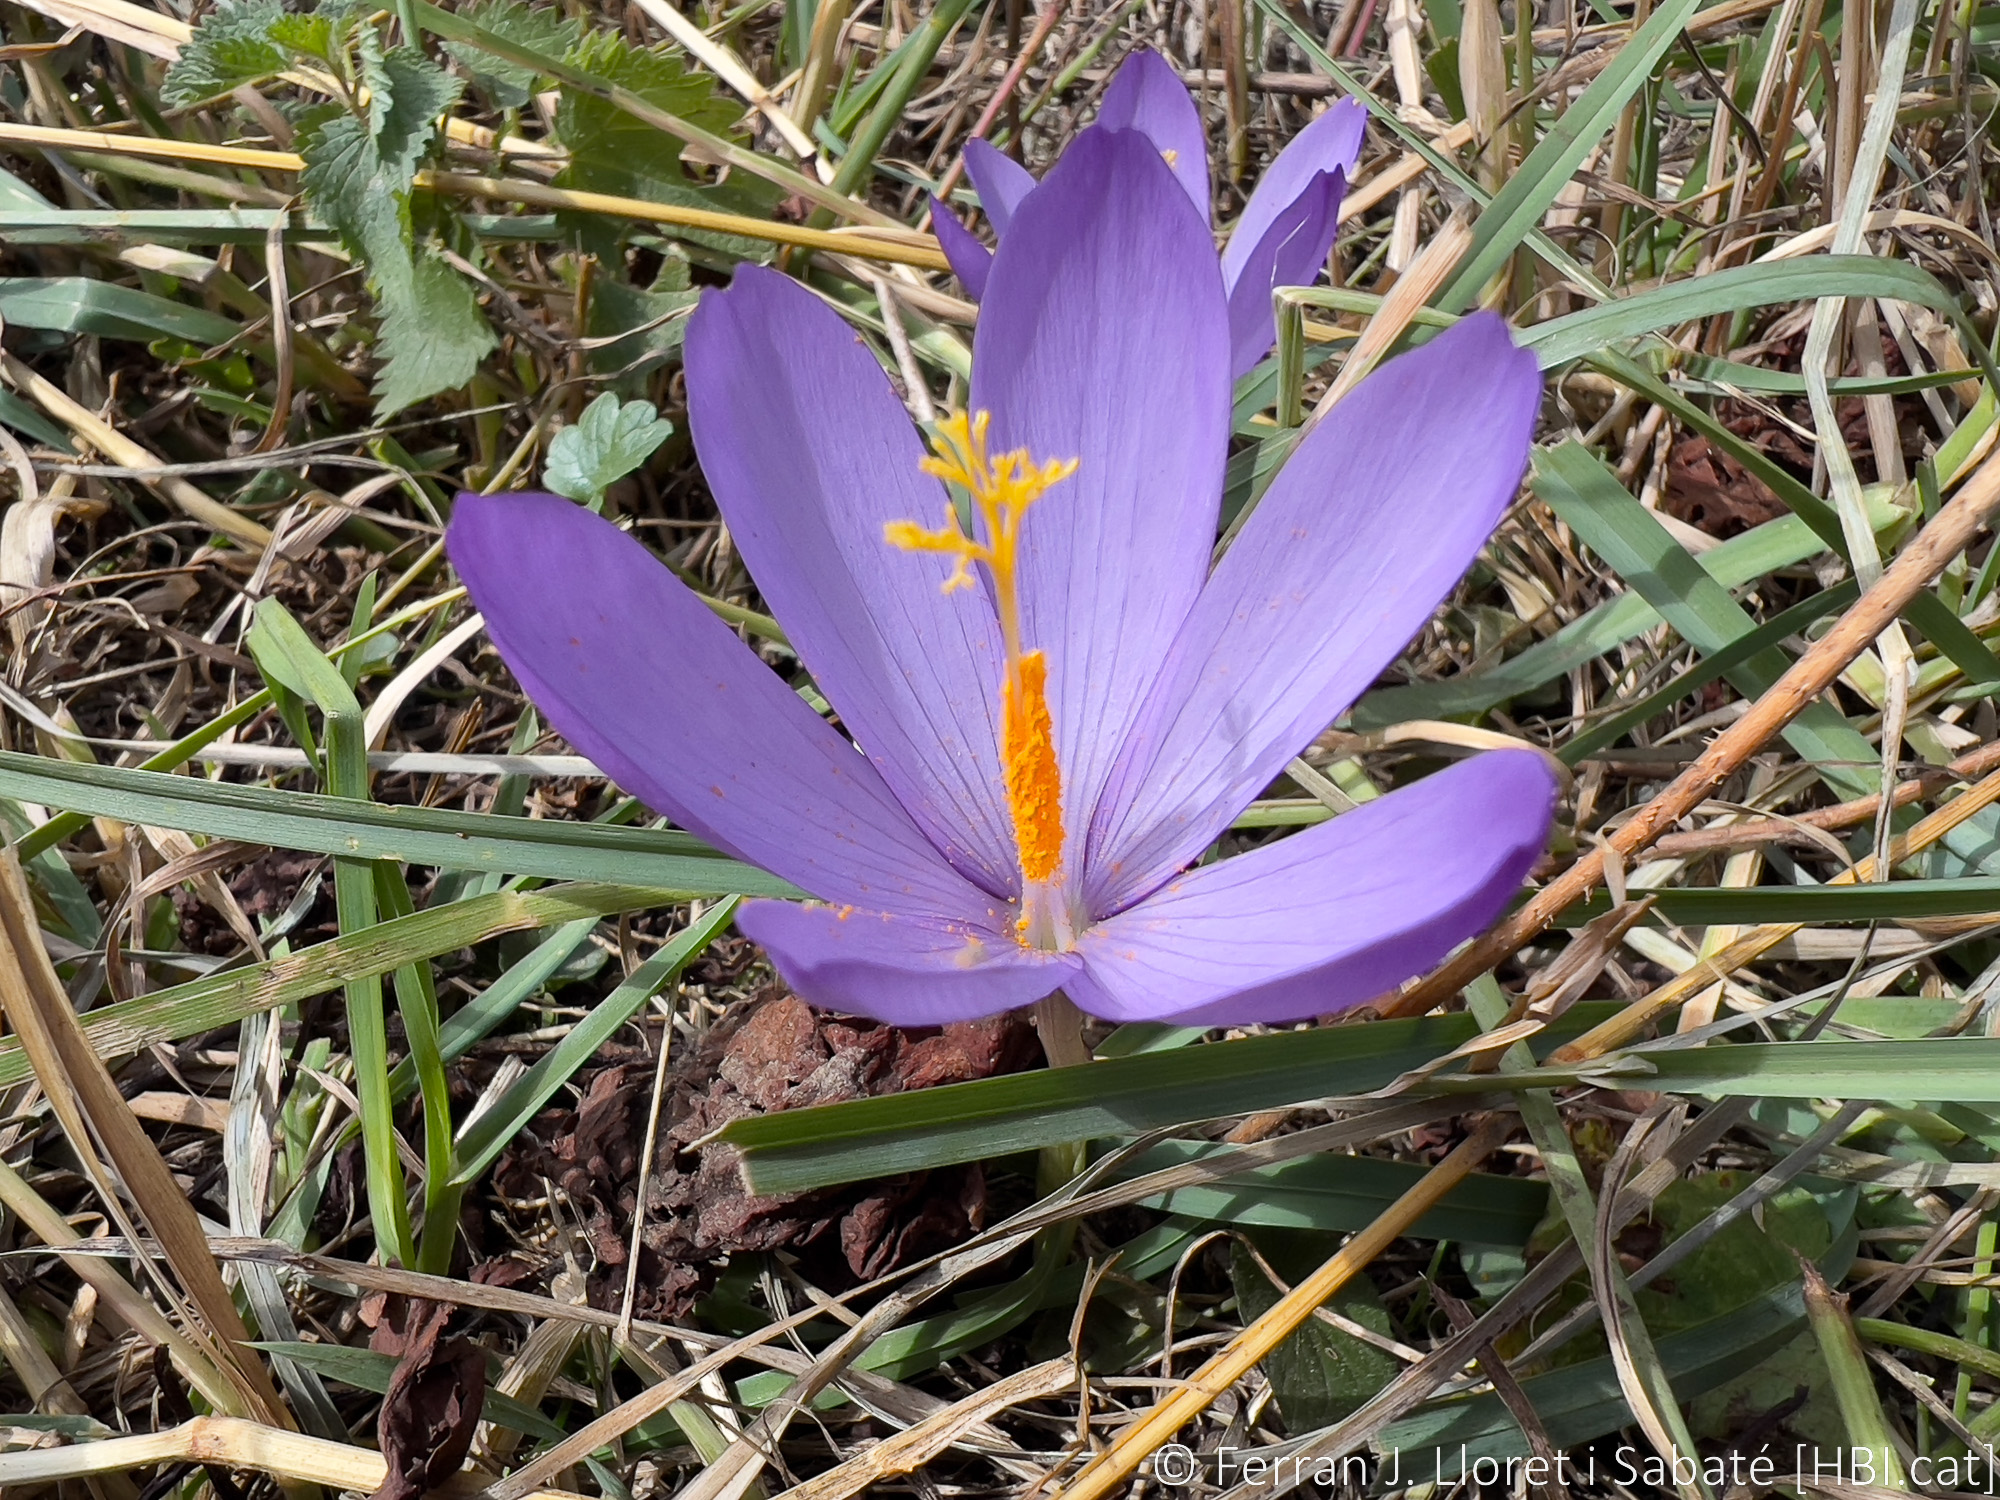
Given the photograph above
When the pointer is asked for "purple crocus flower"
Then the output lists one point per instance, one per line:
(1058, 714)
(1281, 238)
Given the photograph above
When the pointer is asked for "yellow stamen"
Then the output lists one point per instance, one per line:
(1002, 487)
(1171, 156)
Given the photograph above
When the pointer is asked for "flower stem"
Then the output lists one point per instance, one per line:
(1060, 1025)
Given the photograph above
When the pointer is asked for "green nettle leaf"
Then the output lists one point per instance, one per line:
(324, 32)
(357, 177)
(311, 34)
(407, 93)
(435, 335)
(634, 328)
(544, 29)
(609, 442)
(611, 152)
(232, 46)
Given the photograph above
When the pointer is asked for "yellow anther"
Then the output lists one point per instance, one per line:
(1170, 156)
(1002, 487)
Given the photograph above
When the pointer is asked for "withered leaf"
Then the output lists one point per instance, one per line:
(432, 1408)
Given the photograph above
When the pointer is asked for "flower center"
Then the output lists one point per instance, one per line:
(1002, 487)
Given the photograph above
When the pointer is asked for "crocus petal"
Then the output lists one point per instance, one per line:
(1329, 918)
(1147, 95)
(1292, 250)
(809, 454)
(1384, 505)
(1001, 182)
(642, 677)
(1103, 338)
(1332, 143)
(970, 260)
(903, 970)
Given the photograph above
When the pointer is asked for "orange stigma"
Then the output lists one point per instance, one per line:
(1034, 785)
(1002, 487)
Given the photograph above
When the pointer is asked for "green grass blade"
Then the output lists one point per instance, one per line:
(1782, 543)
(78, 304)
(488, 1135)
(292, 664)
(416, 1001)
(186, 1010)
(1561, 340)
(799, 1150)
(1589, 498)
(410, 835)
(1517, 209)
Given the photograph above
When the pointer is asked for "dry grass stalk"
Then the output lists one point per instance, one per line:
(86, 1101)
(230, 1442)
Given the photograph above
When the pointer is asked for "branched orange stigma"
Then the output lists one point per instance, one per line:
(1002, 487)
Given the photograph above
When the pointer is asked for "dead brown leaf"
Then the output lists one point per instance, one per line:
(432, 1408)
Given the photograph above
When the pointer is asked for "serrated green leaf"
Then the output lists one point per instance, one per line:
(542, 28)
(310, 33)
(613, 152)
(435, 336)
(607, 443)
(610, 151)
(357, 177)
(232, 46)
(349, 185)
(407, 93)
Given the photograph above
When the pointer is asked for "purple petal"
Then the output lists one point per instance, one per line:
(1147, 95)
(970, 260)
(1290, 253)
(1332, 143)
(1384, 505)
(903, 970)
(1103, 338)
(1002, 182)
(642, 677)
(809, 453)
(1332, 917)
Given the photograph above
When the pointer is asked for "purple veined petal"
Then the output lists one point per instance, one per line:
(1001, 182)
(1379, 512)
(1147, 95)
(1332, 917)
(1292, 250)
(904, 970)
(809, 453)
(1103, 338)
(1332, 143)
(970, 260)
(640, 675)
